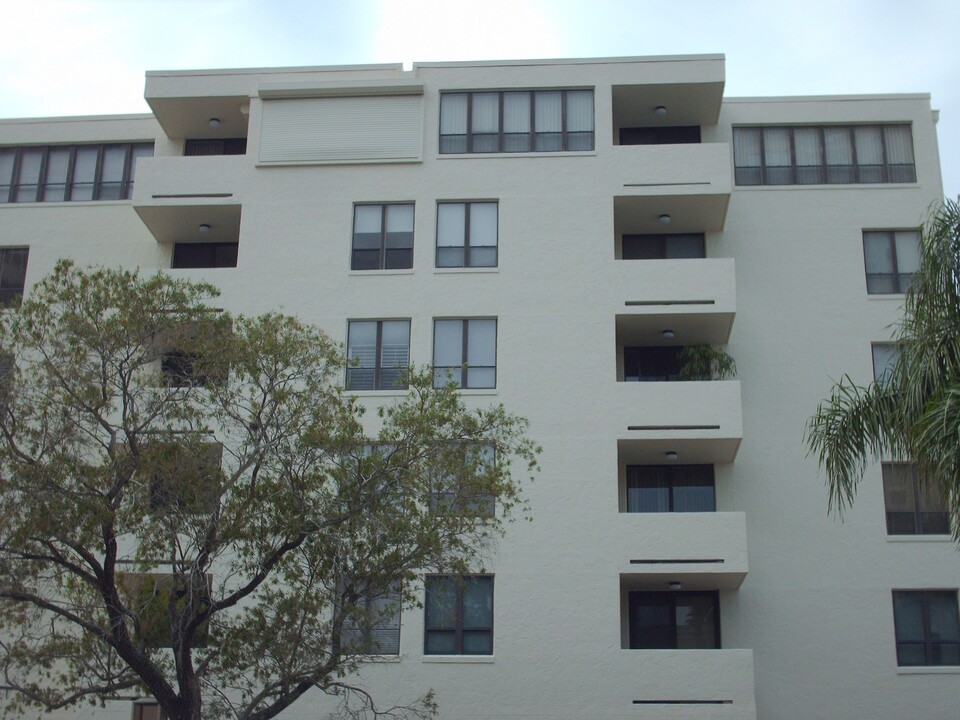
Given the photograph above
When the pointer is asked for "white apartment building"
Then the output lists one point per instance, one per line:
(563, 227)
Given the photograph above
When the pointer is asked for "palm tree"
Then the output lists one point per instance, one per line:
(914, 412)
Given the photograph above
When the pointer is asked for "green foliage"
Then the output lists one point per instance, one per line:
(705, 362)
(106, 475)
(913, 414)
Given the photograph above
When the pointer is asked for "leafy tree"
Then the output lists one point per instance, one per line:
(913, 413)
(134, 559)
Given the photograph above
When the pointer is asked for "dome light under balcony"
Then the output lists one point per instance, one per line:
(660, 110)
(664, 219)
(214, 122)
(671, 455)
(204, 228)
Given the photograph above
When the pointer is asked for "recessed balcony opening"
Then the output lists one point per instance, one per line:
(670, 246)
(668, 488)
(193, 147)
(662, 135)
(674, 620)
(204, 255)
(675, 363)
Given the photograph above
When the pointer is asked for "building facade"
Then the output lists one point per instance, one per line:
(564, 229)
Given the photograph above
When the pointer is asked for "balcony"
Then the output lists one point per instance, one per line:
(688, 684)
(690, 183)
(700, 421)
(695, 298)
(175, 196)
(701, 550)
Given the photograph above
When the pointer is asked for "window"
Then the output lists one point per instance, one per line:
(205, 255)
(225, 146)
(670, 488)
(663, 247)
(467, 234)
(459, 615)
(59, 173)
(885, 358)
(148, 710)
(516, 121)
(812, 155)
(380, 353)
(147, 597)
(13, 273)
(662, 135)
(459, 494)
(927, 627)
(465, 353)
(372, 625)
(382, 237)
(913, 508)
(652, 364)
(190, 355)
(674, 620)
(183, 478)
(890, 257)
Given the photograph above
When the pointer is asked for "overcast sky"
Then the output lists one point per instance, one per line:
(78, 57)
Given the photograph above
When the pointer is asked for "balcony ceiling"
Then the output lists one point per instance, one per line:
(172, 222)
(686, 104)
(693, 447)
(694, 212)
(189, 117)
(691, 325)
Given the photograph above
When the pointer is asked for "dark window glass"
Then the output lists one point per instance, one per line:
(912, 508)
(382, 237)
(813, 155)
(516, 121)
(670, 488)
(69, 172)
(465, 353)
(927, 627)
(651, 364)
(458, 615)
(890, 258)
(225, 146)
(467, 234)
(663, 247)
(13, 273)
(372, 622)
(205, 255)
(379, 354)
(678, 135)
(674, 620)
(149, 594)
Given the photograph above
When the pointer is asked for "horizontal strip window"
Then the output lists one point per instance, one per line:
(69, 173)
(827, 155)
(516, 121)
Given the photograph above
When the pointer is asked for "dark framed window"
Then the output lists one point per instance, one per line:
(60, 173)
(204, 255)
(674, 620)
(913, 508)
(466, 234)
(372, 622)
(465, 352)
(459, 494)
(13, 273)
(223, 146)
(183, 478)
(670, 488)
(885, 358)
(382, 237)
(652, 364)
(663, 135)
(148, 710)
(890, 258)
(379, 352)
(927, 627)
(458, 615)
(663, 247)
(818, 155)
(516, 121)
(148, 595)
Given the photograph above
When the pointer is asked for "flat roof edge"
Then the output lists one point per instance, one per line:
(274, 70)
(573, 61)
(828, 98)
(77, 118)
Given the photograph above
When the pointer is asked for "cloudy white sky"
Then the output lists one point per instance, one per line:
(76, 57)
